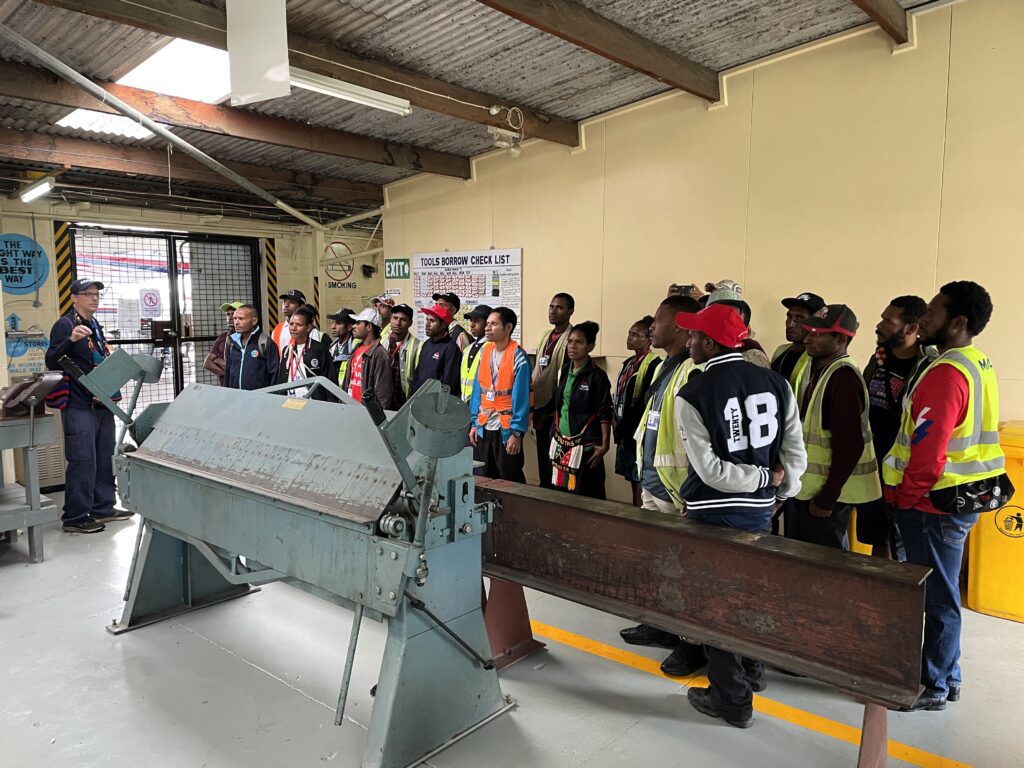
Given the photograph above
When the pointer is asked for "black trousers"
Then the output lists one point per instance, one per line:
(827, 531)
(732, 678)
(497, 463)
(542, 424)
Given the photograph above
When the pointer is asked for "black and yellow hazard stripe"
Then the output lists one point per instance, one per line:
(64, 250)
(273, 303)
(316, 295)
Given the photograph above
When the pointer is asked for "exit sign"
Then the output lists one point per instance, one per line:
(396, 269)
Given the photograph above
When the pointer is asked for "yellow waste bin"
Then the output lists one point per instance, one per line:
(995, 569)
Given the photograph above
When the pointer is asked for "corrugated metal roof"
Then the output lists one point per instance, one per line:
(95, 47)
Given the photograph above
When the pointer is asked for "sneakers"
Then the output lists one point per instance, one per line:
(700, 699)
(84, 525)
(927, 702)
(642, 634)
(114, 516)
(684, 660)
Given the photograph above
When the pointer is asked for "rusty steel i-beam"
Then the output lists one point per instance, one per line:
(852, 621)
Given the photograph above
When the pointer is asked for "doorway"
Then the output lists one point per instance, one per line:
(176, 279)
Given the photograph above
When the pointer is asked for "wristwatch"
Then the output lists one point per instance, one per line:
(516, 433)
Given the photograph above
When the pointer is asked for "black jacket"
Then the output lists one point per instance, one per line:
(79, 351)
(255, 366)
(317, 360)
(591, 396)
(438, 360)
(633, 402)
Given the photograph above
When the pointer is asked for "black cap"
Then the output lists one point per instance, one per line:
(809, 301)
(833, 318)
(295, 295)
(451, 298)
(343, 315)
(83, 285)
(403, 309)
(480, 312)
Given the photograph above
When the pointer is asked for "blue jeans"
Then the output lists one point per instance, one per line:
(937, 541)
(89, 450)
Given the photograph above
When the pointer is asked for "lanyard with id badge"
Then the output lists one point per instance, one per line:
(654, 420)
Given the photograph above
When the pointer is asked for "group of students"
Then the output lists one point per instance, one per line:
(706, 424)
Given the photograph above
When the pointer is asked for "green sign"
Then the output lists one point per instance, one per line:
(396, 269)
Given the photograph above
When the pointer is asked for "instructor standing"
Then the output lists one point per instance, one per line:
(88, 425)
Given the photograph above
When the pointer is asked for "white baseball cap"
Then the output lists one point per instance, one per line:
(369, 315)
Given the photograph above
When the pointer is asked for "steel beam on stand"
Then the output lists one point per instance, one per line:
(508, 624)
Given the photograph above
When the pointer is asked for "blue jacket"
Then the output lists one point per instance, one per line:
(520, 398)
(254, 367)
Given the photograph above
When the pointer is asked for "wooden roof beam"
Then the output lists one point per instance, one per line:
(20, 81)
(204, 24)
(890, 16)
(137, 161)
(580, 26)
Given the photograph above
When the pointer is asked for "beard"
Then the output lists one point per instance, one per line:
(937, 339)
(895, 341)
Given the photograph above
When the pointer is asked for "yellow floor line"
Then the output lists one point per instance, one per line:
(765, 706)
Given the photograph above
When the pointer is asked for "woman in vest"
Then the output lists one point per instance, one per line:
(631, 390)
(583, 416)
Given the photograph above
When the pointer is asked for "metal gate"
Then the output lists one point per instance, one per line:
(167, 282)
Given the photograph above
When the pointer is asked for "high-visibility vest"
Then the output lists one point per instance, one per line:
(863, 484)
(501, 390)
(973, 451)
(408, 359)
(468, 370)
(669, 453)
(798, 378)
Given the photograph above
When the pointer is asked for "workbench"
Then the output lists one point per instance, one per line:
(25, 506)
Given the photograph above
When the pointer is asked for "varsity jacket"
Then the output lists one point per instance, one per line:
(738, 421)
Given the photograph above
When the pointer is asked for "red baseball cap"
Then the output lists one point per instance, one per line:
(441, 313)
(719, 321)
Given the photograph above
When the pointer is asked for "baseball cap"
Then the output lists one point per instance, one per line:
(83, 285)
(403, 309)
(384, 299)
(368, 315)
(724, 285)
(480, 312)
(441, 313)
(451, 298)
(730, 298)
(295, 295)
(810, 301)
(833, 318)
(230, 306)
(343, 315)
(717, 321)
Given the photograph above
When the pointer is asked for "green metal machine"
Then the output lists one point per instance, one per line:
(237, 489)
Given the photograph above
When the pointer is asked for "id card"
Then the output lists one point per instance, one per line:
(653, 420)
(489, 396)
(542, 361)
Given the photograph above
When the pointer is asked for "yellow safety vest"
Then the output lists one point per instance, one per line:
(408, 359)
(669, 453)
(468, 370)
(798, 378)
(973, 451)
(863, 484)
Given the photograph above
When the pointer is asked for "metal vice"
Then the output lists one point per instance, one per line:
(237, 489)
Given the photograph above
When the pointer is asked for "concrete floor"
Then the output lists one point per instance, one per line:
(253, 682)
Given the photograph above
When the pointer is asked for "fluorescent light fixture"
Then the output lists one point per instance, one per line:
(37, 189)
(184, 69)
(310, 81)
(127, 228)
(100, 122)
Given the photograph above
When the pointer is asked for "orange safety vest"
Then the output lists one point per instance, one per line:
(497, 399)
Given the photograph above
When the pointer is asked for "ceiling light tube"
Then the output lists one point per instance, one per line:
(37, 189)
(310, 81)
